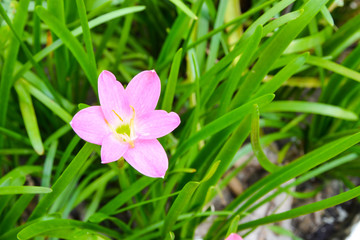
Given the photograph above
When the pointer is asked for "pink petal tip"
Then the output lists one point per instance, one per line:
(234, 236)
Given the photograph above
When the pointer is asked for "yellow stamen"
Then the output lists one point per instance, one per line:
(118, 115)
(109, 125)
(132, 125)
(133, 115)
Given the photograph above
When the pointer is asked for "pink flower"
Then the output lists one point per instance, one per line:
(234, 236)
(127, 124)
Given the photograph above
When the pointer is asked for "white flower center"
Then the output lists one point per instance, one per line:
(125, 131)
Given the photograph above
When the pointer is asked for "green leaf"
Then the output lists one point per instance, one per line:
(53, 106)
(58, 134)
(229, 146)
(212, 169)
(327, 15)
(267, 15)
(86, 31)
(28, 114)
(125, 32)
(70, 147)
(170, 236)
(345, 36)
(255, 143)
(331, 66)
(15, 135)
(311, 107)
(95, 185)
(290, 171)
(172, 81)
(271, 26)
(274, 49)
(282, 231)
(296, 168)
(233, 226)
(215, 40)
(173, 40)
(284, 74)
(232, 82)
(307, 176)
(76, 32)
(82, 106)
(178, 206)
(322, 169)
(28, 54)
(20, 172)
(237, 20)
(303, 210)
(48, 165)
(39, 84)
(123, 197)
(9, 62)
(23, 190)
(184, 8)
(17, 151)
(66, 226)
(15, 212)
(36, 33)
(308, 43)
(71, 42)
(181, 217)
(63, 181)
(61, 56)
(222, 122)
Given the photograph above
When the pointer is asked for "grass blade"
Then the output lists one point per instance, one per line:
(10, 60)
(53, 106)
(184, 8)
(303, 210)
(255, 143)
(311, 107)
(76, 32)
(274, 49)
(86, 32)
(23, 190)
(12, 216)
(329, 65)
(283, 75)
(46, 228)
(178, 206)
(28, 113)
(71, 42)
(281, 21)
(123, 197)
(172, 81)
(48, 165)
(222, 122)
(63, 181)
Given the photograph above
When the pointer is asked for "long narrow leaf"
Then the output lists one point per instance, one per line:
(23, 190)
(63, 181)
(311, 107)
(71, 42)
(30, 121)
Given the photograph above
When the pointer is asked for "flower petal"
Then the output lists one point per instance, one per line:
(148, 157)
(90, 125)
(113, 98)
(112, 149)
(234, 236)
(156, 124)
(143, 91)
